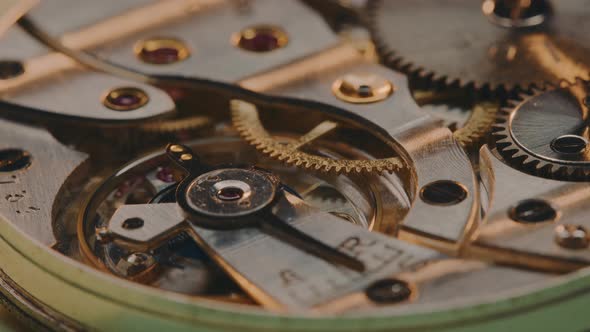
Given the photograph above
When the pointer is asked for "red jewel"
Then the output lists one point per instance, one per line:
(125, 100)
(230, 194)
(261, 42)
(162, 55)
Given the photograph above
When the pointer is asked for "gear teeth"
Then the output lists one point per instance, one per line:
(535, 165)
(522, 96)
(519, 155)
(505, 112)
(398, 61)
(545, 169)
(523, 159)
(176, 125)
(514, 102)
(479, 124)
(247, 123)
(536, 91)
(500, 145)
(154, 132)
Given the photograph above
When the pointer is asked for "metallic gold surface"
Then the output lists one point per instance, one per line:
(360, 89)
(247, 123)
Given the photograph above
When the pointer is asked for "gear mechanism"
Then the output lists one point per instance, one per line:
(478, 125)
(175, 125)
(247, 123)
(496, 45)
(546, 133)
(470, 122)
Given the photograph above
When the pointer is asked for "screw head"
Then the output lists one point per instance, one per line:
(10, 69)
(572, 236)
(186, 156)
(176, 148)
(161, 51)
(389, 291)
(532, 211)
(570, 144)
(125, 99)
(362, 88)
(12, 160)
(261, 38)
(227, 194)
(443, 192)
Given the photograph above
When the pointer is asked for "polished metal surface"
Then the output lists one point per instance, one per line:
(296, 280)
(207, 33)
(72, 93)
(530, 243)
(254, 190)
(558, 151)
(28, 194)
(457, 42)
(251, 165)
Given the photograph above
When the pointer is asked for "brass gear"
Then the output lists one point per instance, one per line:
(145, 134)
(545, 133)
(479, 124)
(168, 126)
(470, 124)
(246, 121)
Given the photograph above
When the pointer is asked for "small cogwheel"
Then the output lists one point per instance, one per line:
(168, 126)
(478, 125)
(469, 123)
(546, 133)
(247, 123)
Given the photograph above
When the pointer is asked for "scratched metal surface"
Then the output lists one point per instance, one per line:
(27, 196)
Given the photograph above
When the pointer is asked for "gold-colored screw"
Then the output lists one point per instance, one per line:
(260, 38)
(125, 99)
(161, 51)
(176, 148)
(362, 88)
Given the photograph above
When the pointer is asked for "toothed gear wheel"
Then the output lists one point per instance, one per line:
(247, 123)
(468, 127)
(452, 117)
(455, 42)
(470, 124)
(546, 133)
(176, 125)
(478, 125)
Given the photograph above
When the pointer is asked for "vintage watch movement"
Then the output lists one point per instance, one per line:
(295, 165)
